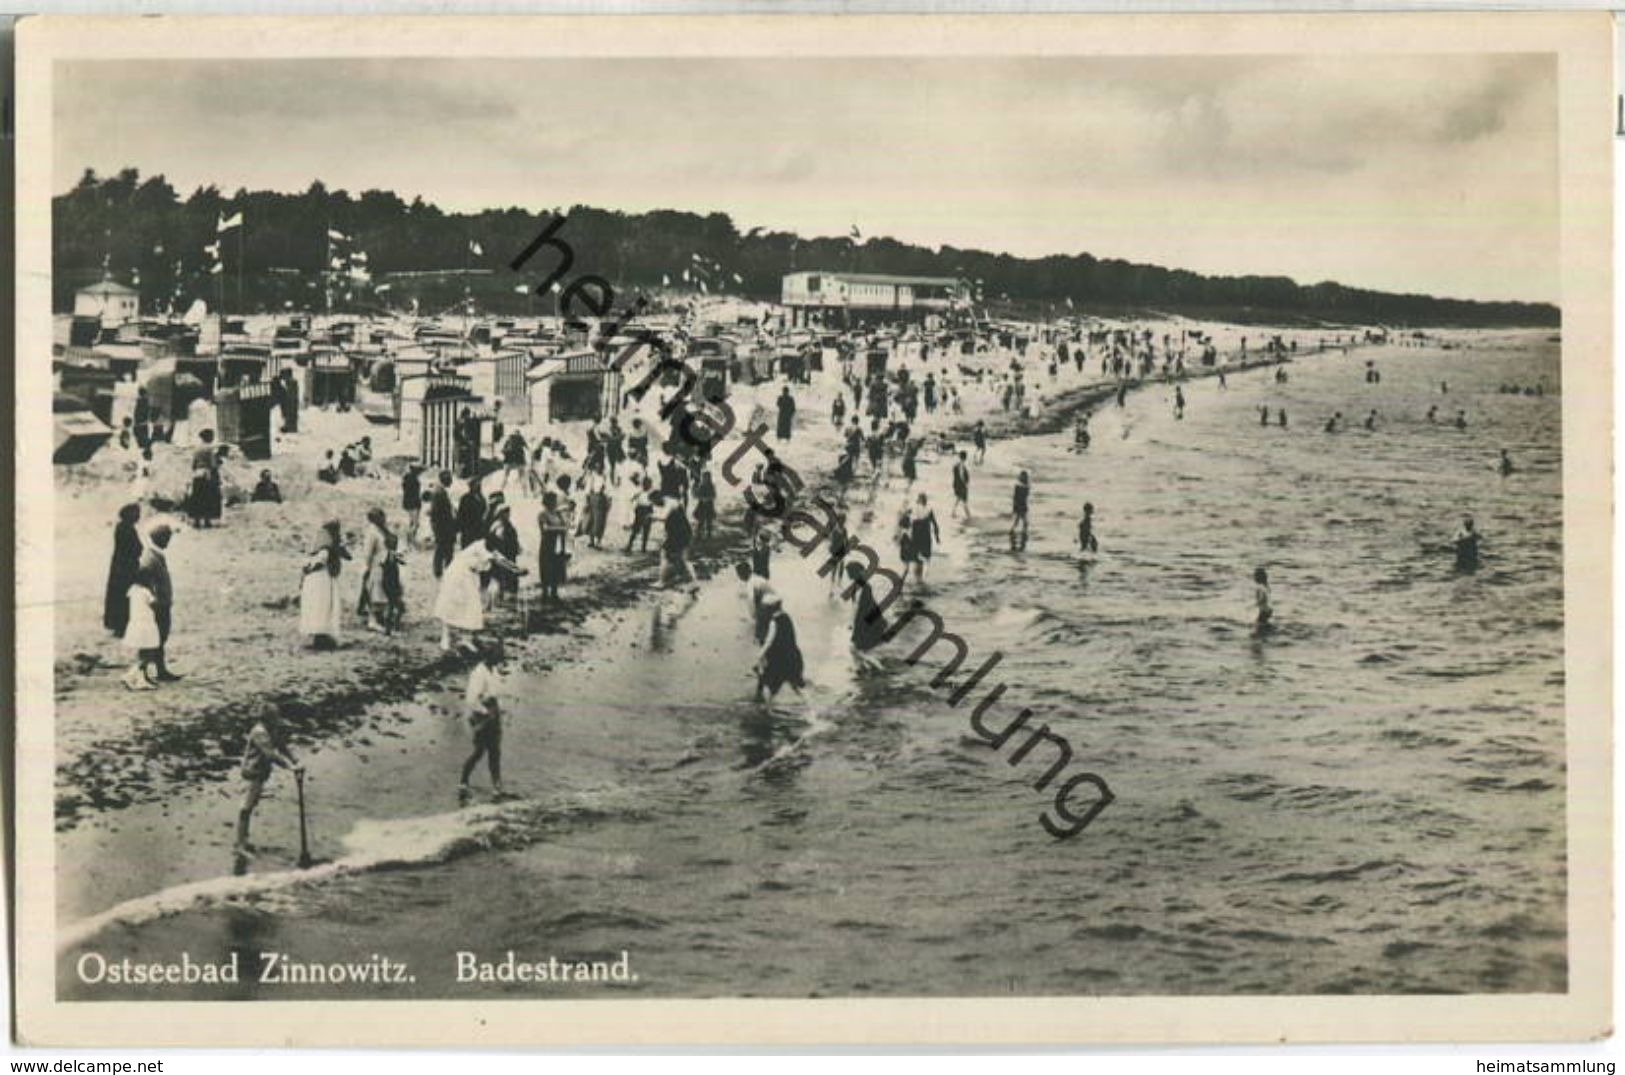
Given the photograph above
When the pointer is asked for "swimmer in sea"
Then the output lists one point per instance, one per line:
(1333, 423)
(1371, 421)
(1280, 417)
(1461, 419)
(1261, 598)
(1433, 414)
(1505, 466)
(1263, 415)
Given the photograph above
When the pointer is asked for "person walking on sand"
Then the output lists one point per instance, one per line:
(153, 574)
(642, 515)
(1461, 419)
(319, 604)
(1018, 512)
(1505, 465)
(1280, 417)
(1261, 600)
(978, 438)
(923, 535)
(780, 661)
(1179, 402)
(443, 523)
(122, 569)
(1264, 415)
(265, 749)
(140, 634)
(459, 605)
(484, 712)
(376, 549)
(961, 488)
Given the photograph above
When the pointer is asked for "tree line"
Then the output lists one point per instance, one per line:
(142, 232)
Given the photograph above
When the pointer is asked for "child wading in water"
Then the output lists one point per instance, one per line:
(485, 719)
(264, 751)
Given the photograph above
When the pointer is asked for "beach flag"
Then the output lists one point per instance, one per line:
(475, 248)
(226, 223)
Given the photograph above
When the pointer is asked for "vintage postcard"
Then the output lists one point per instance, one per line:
(814, 529)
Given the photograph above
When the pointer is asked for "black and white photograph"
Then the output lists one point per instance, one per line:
(832, 511)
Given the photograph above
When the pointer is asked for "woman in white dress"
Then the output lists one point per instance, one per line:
(141, 638)
(319, 603)
(459, 603)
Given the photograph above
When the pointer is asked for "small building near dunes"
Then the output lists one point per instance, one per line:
(108, 301)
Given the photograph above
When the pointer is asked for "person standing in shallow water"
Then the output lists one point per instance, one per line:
(484, 714)
(924, 533)
(1261, 601)
(265, 750)
(1466, 542)
(1018, 511)
(1088, 544)
(780, 661)
(961, 487)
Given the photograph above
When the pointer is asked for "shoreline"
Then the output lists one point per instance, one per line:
(340, 700)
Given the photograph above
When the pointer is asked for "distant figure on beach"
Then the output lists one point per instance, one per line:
(1505, 465)
(471, 511)
(121, 570)
(266, 490)
(643, 514)
(1465, 541)
(961, 481)
(1122, 394)
(329, 470)
(1444, 388)
(761, 554)
(978, 439)
(377, 552)
(1222, 383)
(1371, 422)
(484, 713)
(1263, 415)
(553, 552)
(780, 661)
(153, 575)
(1280, 417)
(1334, 423)
(1179, 402)
(203, 503)
(442, 523)
(1433, 414)
(705, 506)
(1461, 420)
(1261, 600)
(319, 604)
(264, 750)
(1080, 433)
(140, 634)
(1018, 511)
(786, 405)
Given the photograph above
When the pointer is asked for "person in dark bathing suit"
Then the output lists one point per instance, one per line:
(780, 661)
(1018, 511)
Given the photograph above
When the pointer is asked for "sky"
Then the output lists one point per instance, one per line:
(1427, 173)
